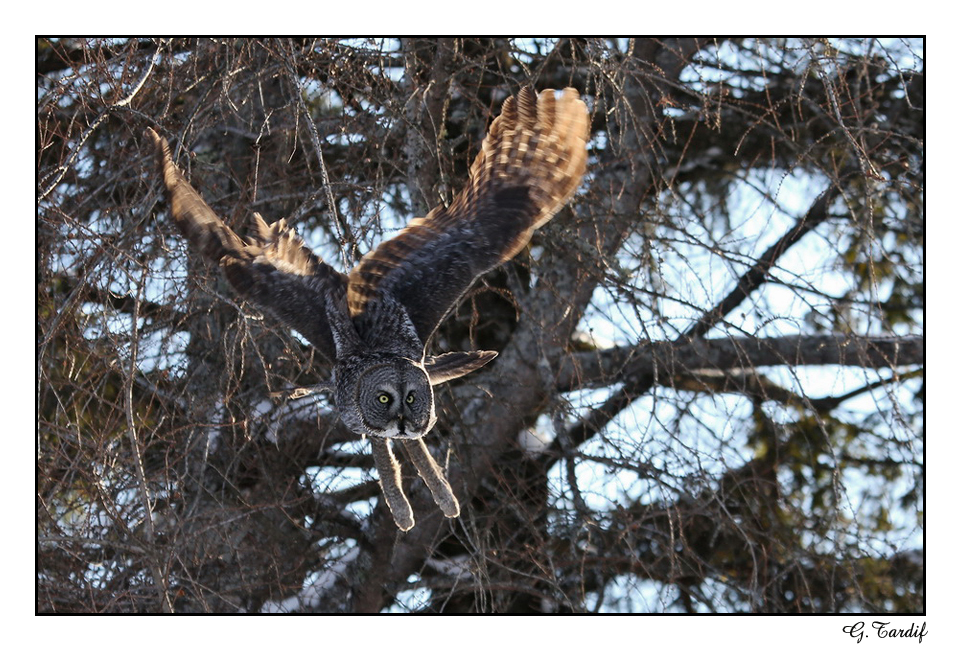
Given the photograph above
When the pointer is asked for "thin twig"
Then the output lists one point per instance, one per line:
(344, 234)
(66, 165)
(159, 578)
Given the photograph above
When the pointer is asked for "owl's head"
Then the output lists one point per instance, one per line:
(386, 397)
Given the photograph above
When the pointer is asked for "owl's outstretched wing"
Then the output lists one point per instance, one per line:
(530, 164)
(272, 267)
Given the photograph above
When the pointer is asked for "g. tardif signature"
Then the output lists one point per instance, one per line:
(885, 630)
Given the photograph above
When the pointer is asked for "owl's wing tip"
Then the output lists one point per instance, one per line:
(449, 366)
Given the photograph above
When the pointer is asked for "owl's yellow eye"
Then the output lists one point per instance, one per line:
(410, 399)
(384, 398)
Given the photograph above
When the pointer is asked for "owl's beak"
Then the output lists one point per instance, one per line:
(406, 428)
(402, 428)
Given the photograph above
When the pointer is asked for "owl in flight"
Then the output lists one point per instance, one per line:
(373, 323)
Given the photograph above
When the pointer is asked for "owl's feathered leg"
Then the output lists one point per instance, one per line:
(433, 477)
(389, 477)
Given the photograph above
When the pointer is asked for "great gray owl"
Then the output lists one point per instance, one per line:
(373, 323)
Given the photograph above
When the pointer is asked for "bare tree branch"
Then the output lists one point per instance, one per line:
(666, 359)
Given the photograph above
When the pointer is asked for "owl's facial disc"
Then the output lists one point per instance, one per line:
(398, 400)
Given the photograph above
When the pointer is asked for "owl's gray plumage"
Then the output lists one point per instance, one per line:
(373, 323)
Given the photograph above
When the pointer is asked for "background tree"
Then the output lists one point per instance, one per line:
(709, 395)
